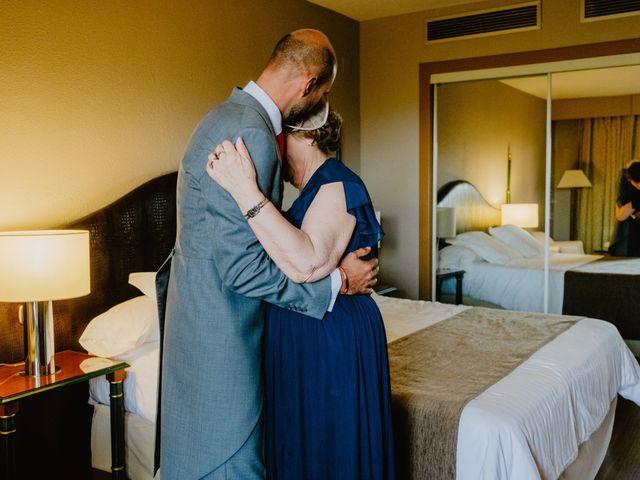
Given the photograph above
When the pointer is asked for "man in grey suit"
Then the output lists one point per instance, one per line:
(212, 287)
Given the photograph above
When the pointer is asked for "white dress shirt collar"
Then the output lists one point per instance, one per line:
(264, 99)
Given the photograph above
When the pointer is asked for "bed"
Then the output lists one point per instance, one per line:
(550, 416)
(579, 284)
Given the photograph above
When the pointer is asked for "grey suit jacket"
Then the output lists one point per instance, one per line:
(211, 385)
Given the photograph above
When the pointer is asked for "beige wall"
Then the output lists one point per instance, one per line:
(391, 50)
(613, 106)
(98, 97)
(478, 122)
(566, 152)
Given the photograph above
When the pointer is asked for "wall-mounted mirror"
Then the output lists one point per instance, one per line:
(491, 154)
(493, 134)
(595, 125)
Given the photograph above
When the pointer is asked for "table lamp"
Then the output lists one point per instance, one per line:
(523, 215)
(445, 223)
(37, 267)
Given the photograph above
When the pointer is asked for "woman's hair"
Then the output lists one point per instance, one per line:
(632, 172)
(329, 136)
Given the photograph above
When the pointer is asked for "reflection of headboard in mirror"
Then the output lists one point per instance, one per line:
(473, 212)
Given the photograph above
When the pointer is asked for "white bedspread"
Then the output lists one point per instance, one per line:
(530, 424)
(519, 285)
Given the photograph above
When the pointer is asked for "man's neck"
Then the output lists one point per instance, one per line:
(279, 88)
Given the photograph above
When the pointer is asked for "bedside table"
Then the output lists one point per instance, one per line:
(442, 275)
(383, 289)
(74, 367)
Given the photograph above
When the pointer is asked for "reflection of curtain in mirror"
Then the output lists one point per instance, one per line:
(606, 146)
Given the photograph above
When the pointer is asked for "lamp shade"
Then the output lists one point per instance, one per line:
(42, 265)
(524, 215)
(446, 222)
(574, 179)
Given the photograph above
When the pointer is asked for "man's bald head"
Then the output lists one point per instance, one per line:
(305, 51)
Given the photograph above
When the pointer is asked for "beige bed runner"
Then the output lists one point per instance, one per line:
(437, 370)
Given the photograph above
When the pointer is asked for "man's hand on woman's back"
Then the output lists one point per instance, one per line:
(361, 274)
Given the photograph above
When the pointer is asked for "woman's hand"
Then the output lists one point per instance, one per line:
(231, 167)
(624, 212)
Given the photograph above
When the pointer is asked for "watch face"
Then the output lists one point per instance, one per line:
(253, 211)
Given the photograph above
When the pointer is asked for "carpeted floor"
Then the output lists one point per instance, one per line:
(623, 456)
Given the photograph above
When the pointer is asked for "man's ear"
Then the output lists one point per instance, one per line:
(309, 85)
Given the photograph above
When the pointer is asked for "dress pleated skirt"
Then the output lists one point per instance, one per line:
(328, 405)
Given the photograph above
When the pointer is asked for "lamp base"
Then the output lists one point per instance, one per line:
(39, 347)
(57, 369)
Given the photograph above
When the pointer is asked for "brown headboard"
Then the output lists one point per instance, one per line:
(473, 212)
(133, 234)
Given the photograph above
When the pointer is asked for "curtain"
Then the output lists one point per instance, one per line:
(606, 146)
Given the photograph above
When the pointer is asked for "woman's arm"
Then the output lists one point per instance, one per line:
(623, 212)
(304, 255)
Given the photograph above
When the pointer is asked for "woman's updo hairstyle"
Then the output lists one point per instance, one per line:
(329, 136)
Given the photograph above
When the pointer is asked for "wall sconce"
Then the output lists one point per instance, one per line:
(523, 215)
(573, 179)
(37, 267)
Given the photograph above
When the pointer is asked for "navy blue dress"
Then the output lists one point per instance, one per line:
(328, 398)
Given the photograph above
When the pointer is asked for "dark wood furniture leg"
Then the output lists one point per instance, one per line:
(7, 440)
(458, 289)
(116, 382)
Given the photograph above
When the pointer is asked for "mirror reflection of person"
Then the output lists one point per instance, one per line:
(328, 405)
(627, 240)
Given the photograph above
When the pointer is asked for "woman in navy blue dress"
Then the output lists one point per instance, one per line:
(328, 406)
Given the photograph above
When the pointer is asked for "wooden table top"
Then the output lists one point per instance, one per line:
(74, 367)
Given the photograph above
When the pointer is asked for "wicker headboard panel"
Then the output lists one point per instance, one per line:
(473, 212)
(133, 234)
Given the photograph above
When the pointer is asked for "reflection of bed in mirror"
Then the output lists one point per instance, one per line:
(579, 284)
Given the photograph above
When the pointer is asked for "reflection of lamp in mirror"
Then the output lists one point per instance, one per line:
(445, 223)
(37, 267)
(573, 179)
(523, 215)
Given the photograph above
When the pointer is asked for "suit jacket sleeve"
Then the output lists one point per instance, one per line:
(244, 266)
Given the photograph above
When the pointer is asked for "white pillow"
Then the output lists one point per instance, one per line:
(487, 247)
(539, 236)
(145, 282)
(122, 328)
(453, 257)
(519, 239)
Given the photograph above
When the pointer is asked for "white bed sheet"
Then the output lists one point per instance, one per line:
(140, 384)
(139, 434)
(519, 285)
(530, 424)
